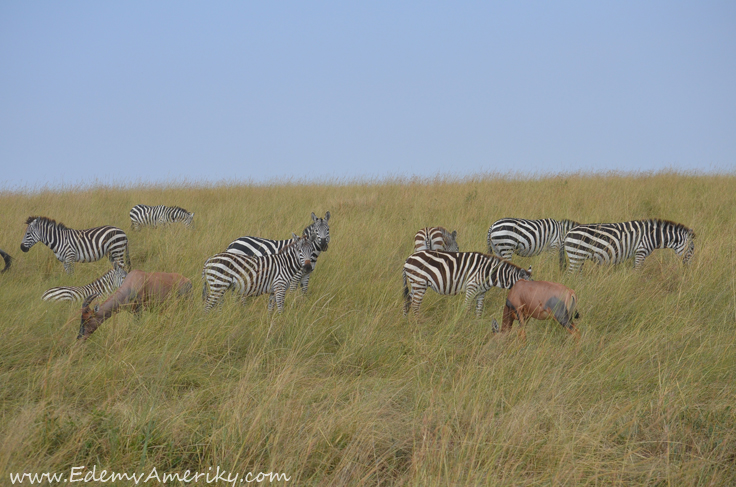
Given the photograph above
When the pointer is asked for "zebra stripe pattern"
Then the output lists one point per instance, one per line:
(613, 243)
(455, 272)
(107, 284)
(436, 238)
(144, 215)
(526, 238)
(258, 247)
(71, 246)
(252, 276)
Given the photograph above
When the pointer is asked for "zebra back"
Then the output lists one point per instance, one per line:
(145, 215)
(436, 238)
(526, 237)
(107, 284)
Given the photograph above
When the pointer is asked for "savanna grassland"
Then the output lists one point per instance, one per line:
(342, 389)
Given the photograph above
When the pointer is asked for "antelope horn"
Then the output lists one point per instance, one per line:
(89, 299)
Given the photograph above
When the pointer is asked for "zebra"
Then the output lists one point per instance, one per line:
(436, 238)
(144, 215)
(257, 246)
(526, 237)
(454, 272)
(613, 243)
(253, 276)
(71, 245)
(106, 284)
(8, 260)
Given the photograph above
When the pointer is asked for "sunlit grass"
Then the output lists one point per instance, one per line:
(341, 388)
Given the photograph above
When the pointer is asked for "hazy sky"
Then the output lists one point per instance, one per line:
(162, 91)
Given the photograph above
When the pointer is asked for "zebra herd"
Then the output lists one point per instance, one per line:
(438, 264)
(251, 266)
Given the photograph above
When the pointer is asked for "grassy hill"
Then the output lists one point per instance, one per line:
(342, 389)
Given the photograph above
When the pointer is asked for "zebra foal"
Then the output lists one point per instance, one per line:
(258, 247)
(252, 276)
(107, 284)
(526, 238)
(436, 238)
(70, 246)
(144, 215)
(613, 243)
(454, 272)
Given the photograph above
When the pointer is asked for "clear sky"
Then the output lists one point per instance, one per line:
(120, 92)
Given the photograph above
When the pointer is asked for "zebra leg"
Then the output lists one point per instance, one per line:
(417, 294)
(69, 265)
(479, 304)
(641, 254)
(305, 282)
(279, 294)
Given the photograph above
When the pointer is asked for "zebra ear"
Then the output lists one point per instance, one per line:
(314, 217)
(294, 237)
(454, 233)
(530, 271)
(327, 216)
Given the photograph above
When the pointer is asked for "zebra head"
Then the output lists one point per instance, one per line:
(33, 234)
(683, 244)
(450, 241)
(189, 218)
(321, 229)
(304, 247)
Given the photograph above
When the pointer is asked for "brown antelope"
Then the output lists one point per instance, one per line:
(540, 300)
(139, 289)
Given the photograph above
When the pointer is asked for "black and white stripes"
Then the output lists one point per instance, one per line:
(253, 276)
(71, 246)
(526, 238)
(144, 215)
(455, 272)
(103, 286)
(613, 243)
(436, 238)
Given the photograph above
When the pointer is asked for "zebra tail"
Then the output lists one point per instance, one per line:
(492, 248)
(406, 287)
(563, 261)
(127, 257)
(8, 260)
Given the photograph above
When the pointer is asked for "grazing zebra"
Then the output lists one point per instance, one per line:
(71, 246)
(8, 260)
(253, 276)
(454, 272)
(613, 243)
(144, 215)
(107, 284)
(257, 246)
(435, 238)
(526, 237)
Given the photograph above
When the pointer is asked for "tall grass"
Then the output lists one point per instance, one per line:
(341, 388)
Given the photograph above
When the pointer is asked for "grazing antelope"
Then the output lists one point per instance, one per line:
(540, 300)
(139, 289)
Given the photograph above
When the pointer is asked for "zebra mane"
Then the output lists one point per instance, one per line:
(677, 226)
(179, 208)
(47, 220)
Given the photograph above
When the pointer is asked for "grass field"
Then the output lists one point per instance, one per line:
(342, 389)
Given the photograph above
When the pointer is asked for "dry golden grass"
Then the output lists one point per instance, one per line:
(342, 389)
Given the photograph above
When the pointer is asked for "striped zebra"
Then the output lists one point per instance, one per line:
(71, 246)
(8, 260)
(144, 215)
(252, 276)
(526, 238)
(455, 272)
(613, 243)
(436, 238)
(258, 247)
(107, 284)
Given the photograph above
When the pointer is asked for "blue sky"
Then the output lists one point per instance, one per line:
(121, 92)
